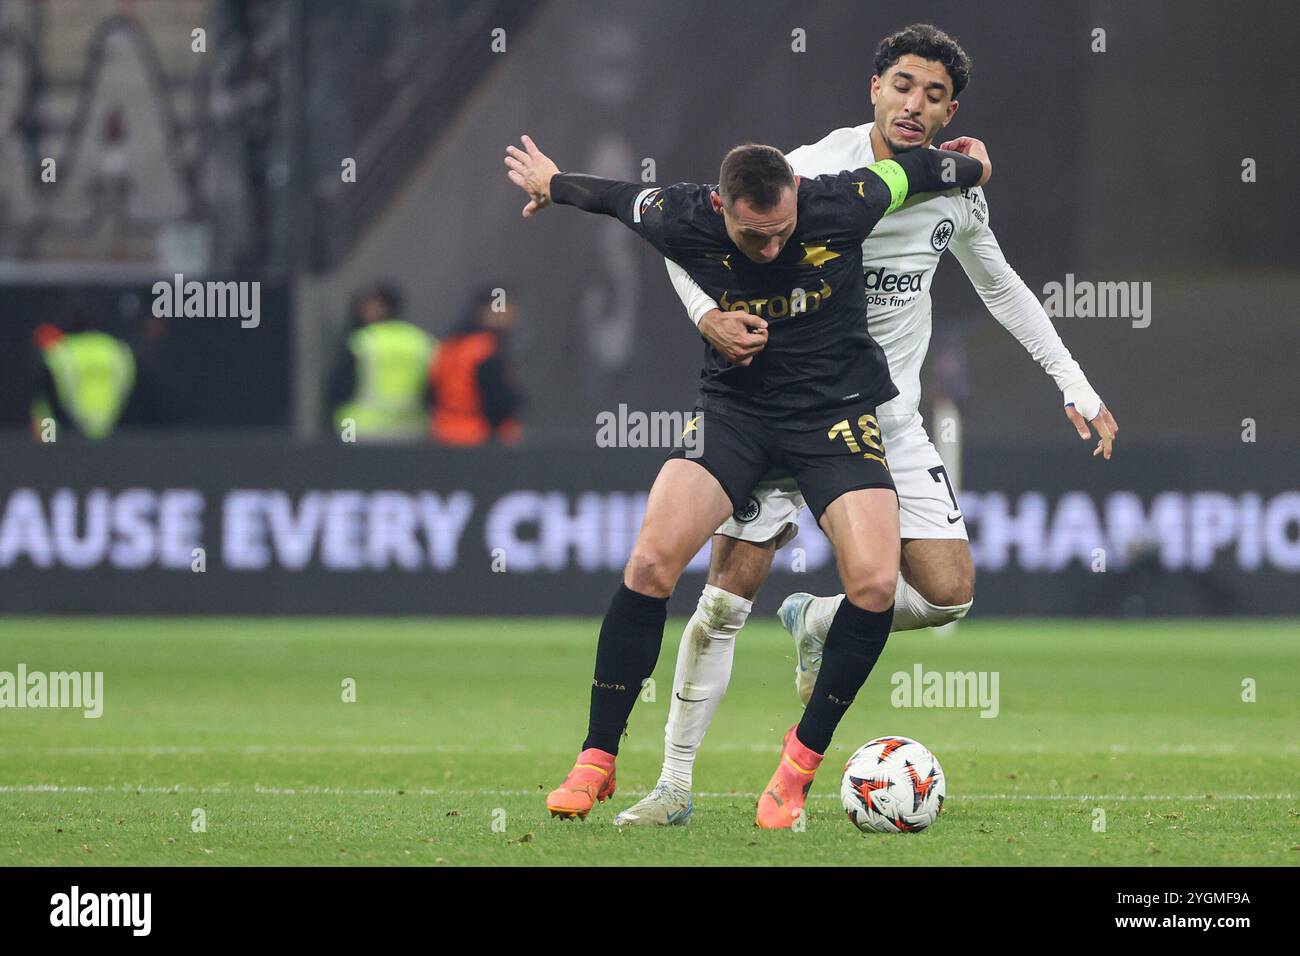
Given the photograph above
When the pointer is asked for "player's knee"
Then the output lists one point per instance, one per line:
(953, 593)
(649, 571)
(948, 601)
(948, 613)
(873, 590)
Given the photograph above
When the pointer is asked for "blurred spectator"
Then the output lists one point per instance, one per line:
(474, 395)
(379, 377)
(85, 378)
(155, 399)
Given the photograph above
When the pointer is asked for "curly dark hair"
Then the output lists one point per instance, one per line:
(929, 43)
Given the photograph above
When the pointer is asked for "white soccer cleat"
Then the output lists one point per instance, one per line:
(807, 647)
(664, 806)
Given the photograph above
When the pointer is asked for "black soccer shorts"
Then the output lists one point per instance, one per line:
(842, 454)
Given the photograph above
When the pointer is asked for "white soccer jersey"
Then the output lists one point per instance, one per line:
(899, 260)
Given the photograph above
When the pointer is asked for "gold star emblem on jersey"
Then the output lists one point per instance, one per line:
(690, 426)
(726, 261)
(816, 254)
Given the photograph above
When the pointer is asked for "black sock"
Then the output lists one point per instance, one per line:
(853, 645)
(630, 638)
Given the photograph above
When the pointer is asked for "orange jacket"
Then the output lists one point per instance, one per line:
(458, 414)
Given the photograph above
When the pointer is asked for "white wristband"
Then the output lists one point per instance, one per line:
(1082, 397)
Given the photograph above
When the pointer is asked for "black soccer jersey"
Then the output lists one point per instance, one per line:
(819, 355)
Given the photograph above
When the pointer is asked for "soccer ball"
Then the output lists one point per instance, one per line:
(892, 785)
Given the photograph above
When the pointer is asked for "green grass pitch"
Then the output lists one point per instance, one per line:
(460, 726)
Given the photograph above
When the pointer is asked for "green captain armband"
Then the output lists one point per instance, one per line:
(895, 178)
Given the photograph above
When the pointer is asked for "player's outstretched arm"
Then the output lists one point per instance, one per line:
(536, 174)
(1018, 310)
(637, 206)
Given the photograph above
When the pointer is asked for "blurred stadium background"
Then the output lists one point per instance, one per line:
(231, 164)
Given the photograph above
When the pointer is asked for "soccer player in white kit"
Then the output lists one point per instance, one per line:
(919, 72)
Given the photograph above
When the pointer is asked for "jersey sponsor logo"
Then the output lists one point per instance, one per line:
(816, 254)
(882, 280)
(779, 306)
(748, 511)
(644, 200)
(978, 206)
(941, 235)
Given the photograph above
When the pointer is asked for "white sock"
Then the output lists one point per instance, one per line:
(911, 611)
(703, 672)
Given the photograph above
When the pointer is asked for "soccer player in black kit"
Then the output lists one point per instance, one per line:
(789, 251)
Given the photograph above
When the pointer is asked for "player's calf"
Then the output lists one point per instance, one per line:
(854, 644)
(863, 527)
